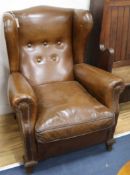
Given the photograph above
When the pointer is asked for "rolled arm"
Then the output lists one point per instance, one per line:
(101, 84)
(23, 100)
(19, 90)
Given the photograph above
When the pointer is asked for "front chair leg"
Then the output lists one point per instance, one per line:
(26, 126)
(109, 143)
(29, 166)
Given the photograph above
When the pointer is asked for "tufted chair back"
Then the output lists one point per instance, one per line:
(43, 43)
(58, 103)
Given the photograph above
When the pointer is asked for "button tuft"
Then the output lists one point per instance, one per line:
(54, 58)
(45, 43)
(29, 45)
(39, 59)
(59, 42)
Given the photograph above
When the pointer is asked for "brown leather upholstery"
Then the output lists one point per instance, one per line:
(60, 104)
(104, 91)
(62, 110)
(45, 48)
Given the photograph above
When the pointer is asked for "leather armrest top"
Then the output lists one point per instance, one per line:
(19, 90)
(105, 86)
(11, 36)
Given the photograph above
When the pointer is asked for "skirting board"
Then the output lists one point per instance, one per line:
(11, 166)
(5, 109)
(122, 134)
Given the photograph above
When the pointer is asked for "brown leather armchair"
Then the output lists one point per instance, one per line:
(61, 103)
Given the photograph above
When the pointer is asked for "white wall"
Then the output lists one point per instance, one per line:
(6, 5)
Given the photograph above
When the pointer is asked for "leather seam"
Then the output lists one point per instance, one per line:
(65, 126)
(65, 138)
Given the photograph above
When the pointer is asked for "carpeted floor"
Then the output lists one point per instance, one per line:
(92, 161)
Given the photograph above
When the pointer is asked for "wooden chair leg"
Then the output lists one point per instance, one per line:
(109, 144)
(14, 116)
(29, 165)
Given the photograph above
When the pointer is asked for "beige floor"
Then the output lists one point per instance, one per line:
(11, 150)
(123, 72)
(124, 119)
(10, 141)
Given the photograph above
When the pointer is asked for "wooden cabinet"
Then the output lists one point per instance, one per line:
(115, 31)
(112, 29)
(96, 8)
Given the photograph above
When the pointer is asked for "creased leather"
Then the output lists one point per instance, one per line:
(45, 44)
(101, 84)
(50, 105)
(66, 107)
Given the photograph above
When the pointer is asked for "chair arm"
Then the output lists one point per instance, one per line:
(101, 84)
(23, 100)
(19, 90)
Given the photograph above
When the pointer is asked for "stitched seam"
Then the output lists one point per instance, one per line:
(64, 126)
(65, 138)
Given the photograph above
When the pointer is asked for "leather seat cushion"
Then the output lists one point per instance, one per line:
(66, 109)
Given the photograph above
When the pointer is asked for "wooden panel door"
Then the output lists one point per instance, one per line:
(115, 32)
(96, 8)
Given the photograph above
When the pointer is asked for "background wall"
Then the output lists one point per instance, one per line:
(6, 5)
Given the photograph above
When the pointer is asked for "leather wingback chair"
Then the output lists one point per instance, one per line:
(61, 103)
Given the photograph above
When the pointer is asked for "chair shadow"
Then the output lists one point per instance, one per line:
(69, 158)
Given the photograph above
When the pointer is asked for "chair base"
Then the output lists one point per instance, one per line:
(51, 149)
(29, 166)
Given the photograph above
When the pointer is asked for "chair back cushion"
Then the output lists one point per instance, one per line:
(45, 44)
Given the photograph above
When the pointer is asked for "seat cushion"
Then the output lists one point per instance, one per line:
(66, 109)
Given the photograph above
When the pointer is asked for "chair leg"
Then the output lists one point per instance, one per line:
(29, 165)
(109, 143)
(14, 116)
